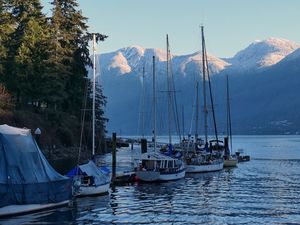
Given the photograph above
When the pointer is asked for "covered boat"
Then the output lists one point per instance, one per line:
(89, 180)
(27, 181)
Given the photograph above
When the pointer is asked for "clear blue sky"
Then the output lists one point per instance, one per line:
(230, 25)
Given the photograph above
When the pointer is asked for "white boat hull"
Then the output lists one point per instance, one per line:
(93, 190)
(230, 162)
(172, 176)
(13, 210)
(149, 176)
(204, 168)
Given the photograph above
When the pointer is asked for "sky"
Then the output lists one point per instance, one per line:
(230, 25)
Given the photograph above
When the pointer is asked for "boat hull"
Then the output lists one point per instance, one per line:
(172, 176)
(14, 210)
(150, 176)
(93, 190)
(204, 168)
(230, 162)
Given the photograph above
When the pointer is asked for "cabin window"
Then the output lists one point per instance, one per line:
(158, 164)
(148, 164)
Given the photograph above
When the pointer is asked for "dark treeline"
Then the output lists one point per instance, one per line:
(43, 66)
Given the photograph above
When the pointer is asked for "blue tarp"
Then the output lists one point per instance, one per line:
(26, 177)
(90, 169)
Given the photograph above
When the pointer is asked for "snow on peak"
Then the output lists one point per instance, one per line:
(194, 62)
(120, 62)
(264, 53)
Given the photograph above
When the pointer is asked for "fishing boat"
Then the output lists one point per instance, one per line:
(229, 159)
(155, 166)
(203, 155)
(88, 179)
(28, 183)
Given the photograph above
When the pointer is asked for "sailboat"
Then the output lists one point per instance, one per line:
(27, 181)
(204, 155)
(155, 166)
(88, 179)
(229, 159)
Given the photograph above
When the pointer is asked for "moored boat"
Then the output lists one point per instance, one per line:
(204, 155)
(28, 183)
(155, 166)
(88, 179)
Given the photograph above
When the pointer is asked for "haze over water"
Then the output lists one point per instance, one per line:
(265, 190)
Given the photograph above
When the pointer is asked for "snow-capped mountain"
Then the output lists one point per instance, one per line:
(263, 96)
(257, 56)
(133, 58)
(262, 54)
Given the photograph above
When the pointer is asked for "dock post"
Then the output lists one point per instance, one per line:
(114, 158)
(144, 145)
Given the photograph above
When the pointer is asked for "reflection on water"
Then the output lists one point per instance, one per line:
(265, 190)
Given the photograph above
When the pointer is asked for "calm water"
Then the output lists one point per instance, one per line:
(265, 190)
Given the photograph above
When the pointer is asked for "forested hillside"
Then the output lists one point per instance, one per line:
(43, 71)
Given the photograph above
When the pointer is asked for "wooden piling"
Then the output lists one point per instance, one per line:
(114, 158)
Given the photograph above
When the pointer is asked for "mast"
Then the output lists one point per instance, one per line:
(211, 99)
(205, 68)
(229, 132)
(154, 104)
(182, 114)
(169, 93)
(197, 111)
(204, 85)
(143, 96)
(94, 93)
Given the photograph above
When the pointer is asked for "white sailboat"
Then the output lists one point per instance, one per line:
(88, 179)
(155, 166)
(204, 156)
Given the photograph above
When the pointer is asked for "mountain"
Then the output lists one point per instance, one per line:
(132, 59)
(264, 91)
(262, 54)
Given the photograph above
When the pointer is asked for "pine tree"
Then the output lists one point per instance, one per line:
(27, 52)
(6, 28)
(70, 28)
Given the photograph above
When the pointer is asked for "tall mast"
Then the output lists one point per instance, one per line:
(169, 93)
(229, 132)
(197, 110)
(143, 96)
(154, 104)
(182, 114)
(204, 85)
(94, 93)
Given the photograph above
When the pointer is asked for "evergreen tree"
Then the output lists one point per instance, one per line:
(70, 28)
(6, 28)
(27, 52)
(100, 103)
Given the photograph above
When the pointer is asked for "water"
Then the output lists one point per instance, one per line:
(265, 190)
